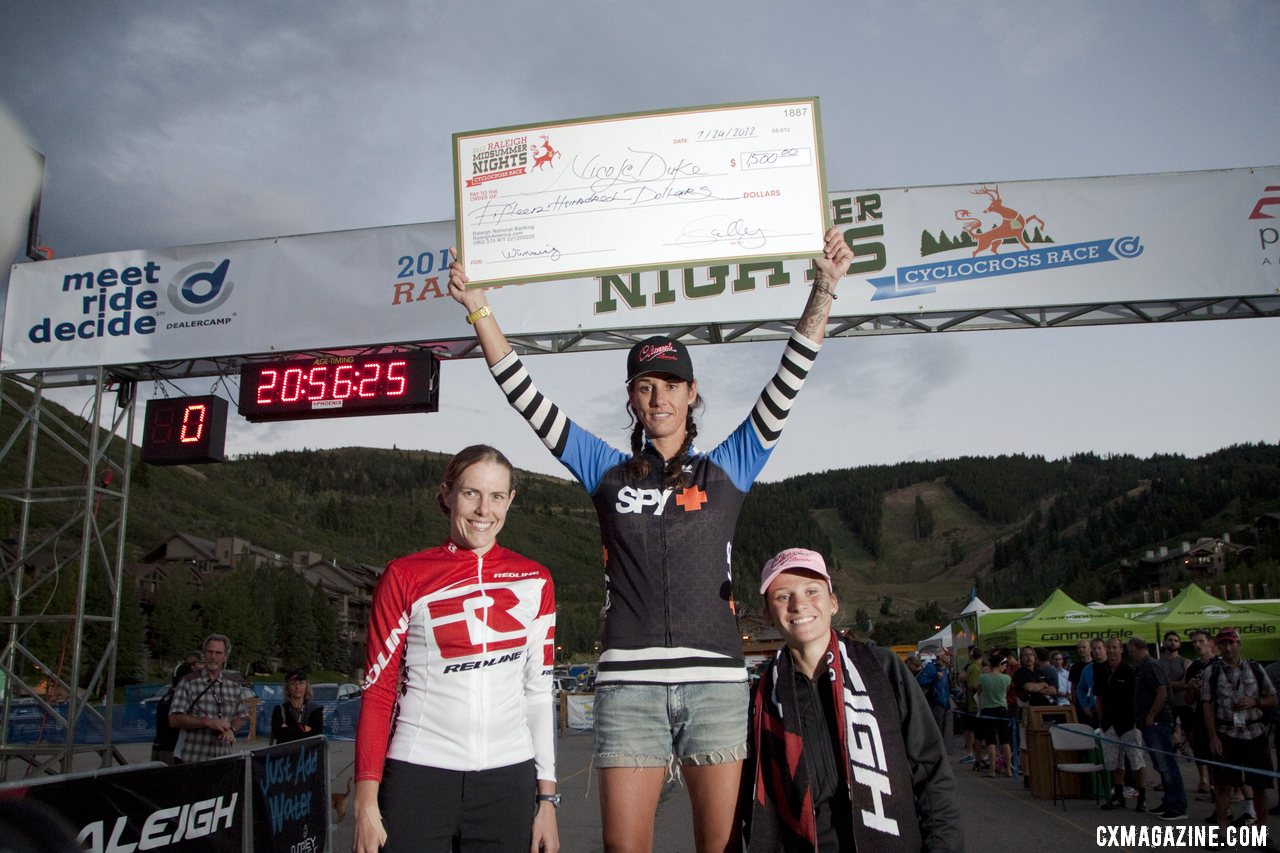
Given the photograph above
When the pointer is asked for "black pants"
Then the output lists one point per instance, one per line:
(429, 810)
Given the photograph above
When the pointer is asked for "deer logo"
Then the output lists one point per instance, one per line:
(547, 155)
(1012, 223)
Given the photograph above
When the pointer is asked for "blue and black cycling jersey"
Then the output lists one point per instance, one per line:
(667, 551)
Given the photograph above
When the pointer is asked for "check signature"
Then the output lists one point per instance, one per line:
(550, 252)
(721, 229)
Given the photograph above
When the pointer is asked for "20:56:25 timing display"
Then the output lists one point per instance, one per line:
(340, 386)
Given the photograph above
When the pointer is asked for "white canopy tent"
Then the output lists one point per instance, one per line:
(939, 641)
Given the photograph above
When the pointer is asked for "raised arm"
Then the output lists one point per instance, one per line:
(479, 314)
(586, 456)
(831, 267)
(738, 455)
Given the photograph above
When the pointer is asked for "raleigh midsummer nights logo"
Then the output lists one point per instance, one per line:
(506, 158)
(986, 237)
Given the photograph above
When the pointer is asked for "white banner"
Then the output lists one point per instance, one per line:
(963, 247)
(581, 710)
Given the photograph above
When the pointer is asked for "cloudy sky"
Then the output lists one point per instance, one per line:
(176, 123)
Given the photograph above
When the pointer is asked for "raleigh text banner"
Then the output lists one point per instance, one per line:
(188, 808)
(968, 247)
(289, 796)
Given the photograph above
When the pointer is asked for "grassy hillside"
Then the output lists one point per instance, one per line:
(916, 533)
(1013, 527)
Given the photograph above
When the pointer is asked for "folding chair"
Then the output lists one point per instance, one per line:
(1075, 737)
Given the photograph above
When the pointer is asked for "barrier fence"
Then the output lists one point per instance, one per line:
(135, 722)
(1264, 742)
(267, 799)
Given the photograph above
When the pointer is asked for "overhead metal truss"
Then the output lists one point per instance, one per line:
(69, 533)
(98, 555)
(908, 322)
(895, 322)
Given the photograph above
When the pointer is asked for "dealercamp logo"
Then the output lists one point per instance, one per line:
(201, 287)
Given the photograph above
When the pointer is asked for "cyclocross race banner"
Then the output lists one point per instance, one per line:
(1001, 244)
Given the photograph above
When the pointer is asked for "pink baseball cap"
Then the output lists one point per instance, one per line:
(793, 558)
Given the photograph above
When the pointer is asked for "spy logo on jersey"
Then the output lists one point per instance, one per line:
(477, 621)
(633, 500)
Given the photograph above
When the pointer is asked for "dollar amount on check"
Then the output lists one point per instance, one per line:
(653, 191)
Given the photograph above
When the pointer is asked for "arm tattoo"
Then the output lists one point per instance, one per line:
(813, 322)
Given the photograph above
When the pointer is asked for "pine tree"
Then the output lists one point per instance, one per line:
(175, 624)
(331, 653)
(296, 630)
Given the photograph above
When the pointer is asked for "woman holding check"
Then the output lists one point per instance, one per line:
(671, 685)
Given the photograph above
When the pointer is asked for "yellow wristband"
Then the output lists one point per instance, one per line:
(479, 314)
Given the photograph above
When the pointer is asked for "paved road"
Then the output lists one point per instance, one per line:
(999, 814)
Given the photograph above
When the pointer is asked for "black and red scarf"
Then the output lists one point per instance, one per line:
(870, 728)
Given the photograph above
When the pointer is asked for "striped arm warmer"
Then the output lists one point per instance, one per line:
(770, 412)
(544, 416)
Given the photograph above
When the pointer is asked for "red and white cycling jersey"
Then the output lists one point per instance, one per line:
(459, 664)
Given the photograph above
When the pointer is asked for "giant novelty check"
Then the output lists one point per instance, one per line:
(676, 188)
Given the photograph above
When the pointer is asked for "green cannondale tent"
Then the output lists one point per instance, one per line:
(1194, 608)
(1060, 621)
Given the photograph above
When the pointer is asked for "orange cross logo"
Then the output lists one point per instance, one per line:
(691, 499)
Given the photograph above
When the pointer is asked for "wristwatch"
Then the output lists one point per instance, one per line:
(554, 799)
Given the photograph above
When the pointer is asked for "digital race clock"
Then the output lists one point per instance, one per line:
(185, 431)
(340, 386)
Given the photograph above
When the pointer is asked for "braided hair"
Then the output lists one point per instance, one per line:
(638, 467)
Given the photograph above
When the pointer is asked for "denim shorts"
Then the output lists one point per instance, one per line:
(645, 725)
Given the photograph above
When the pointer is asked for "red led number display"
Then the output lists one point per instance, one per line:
(185, 431)
(325, 383)
(339, 386)
(190, 422)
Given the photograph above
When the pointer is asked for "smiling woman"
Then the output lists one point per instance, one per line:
(457, 701)
(818, 699)
(476, 500)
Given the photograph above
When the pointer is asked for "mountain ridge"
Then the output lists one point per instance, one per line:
(914, 534)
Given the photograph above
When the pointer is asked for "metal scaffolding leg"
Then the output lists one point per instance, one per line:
(61, 575)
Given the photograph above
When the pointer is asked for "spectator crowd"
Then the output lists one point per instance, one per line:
(1148, 707)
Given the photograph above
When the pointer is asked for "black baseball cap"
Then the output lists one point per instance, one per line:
(659, 354)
